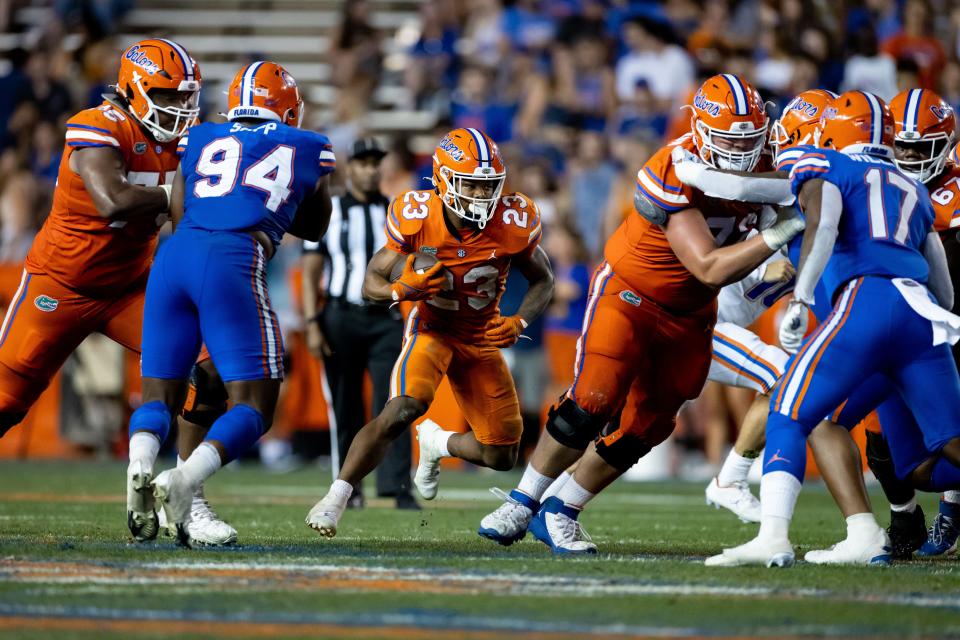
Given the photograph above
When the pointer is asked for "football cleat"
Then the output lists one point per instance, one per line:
(874, 551)
(942, 537)
(427, 477)
(325, 515)
(176, 497)
(508, 524)
(141, 507)
(205, 526)
(758, 551)
(556, 526)
(907, 531)
(735, 498)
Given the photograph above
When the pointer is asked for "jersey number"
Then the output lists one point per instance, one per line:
(944, 194)
(875, 178)
(219, 164)
(484, 278)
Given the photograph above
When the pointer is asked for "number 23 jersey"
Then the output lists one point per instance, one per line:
(477, 262)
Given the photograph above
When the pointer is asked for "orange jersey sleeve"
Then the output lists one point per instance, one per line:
(405, 219)
(945, 197)
(77, 246)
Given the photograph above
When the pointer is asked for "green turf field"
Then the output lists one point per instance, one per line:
(67, 570)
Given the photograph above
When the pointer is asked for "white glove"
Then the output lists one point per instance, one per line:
(793, 326)
(783, 231)
(687, 166)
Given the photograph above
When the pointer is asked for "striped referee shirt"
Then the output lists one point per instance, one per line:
(354, 235)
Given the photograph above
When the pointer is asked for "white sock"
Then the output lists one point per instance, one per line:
(861, 526)
(735, 469)
(144, 447)
(341, 490)
(573, 495)
(442, 438)
(555, 486)
(533, 483)
(951, 496)
(202, 463)
(778, 496)
(906, 507)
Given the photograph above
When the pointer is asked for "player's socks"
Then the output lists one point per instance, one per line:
(735, 469)
(778, 496)
(555, 486)
(862, 526)
(340, 490)
(202, 463)
(573, 495)
(533, 483)
(907, 507)
(237, 430)
(144, 447)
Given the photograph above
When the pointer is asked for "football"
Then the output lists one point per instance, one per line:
(421, 262)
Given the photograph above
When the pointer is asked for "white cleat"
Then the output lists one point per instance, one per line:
(427, 477)
(873, 551)
(173, 493)
(325, 515)
(205, 526)
(735, 498)
(509, 522)
(556, 526)
(141, 507)
(768, 553)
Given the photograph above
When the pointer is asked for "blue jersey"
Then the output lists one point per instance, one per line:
(885, 221)
(250, 178)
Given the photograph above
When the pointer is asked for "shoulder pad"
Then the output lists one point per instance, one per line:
(658, 182)
(521, 219)
(103, 126)
(406, 214)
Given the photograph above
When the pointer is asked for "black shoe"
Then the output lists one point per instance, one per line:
(407, 502)
(907, 531)
(356, 501)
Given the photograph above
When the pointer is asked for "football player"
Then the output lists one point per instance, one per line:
(241, 185)
(645, 346)
(455, 328)
(881, 255)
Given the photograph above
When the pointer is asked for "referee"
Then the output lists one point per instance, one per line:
(351, 336)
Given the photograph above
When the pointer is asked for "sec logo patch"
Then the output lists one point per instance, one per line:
(46, 303)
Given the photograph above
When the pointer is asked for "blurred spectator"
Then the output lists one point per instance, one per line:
(483, 38)
(48, 93)
(585, 84)
(14, 90)
(18, 204)
(917, 43)
(527, 27)
(355, 55)
(537, 181)
(653, 59)
(474, 105)
(432, 72)
(950, 84)
(45, 151)
(591, 179)
(869, 69)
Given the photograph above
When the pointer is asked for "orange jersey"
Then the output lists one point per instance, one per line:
(639, 251)
(477, 261)
(77, 246)
(945, 197)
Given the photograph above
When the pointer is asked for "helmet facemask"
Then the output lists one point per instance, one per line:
(183, 118)
(472, 209)
(731, 159)
(934, 149)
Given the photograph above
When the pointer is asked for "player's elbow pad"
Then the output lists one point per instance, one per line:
(648, 210)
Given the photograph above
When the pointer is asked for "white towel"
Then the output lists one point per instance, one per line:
(946, 325)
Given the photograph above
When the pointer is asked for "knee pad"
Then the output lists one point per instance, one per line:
(152, 417)
(206, 398)
(622, 448)
(9, 420)
(571, 426)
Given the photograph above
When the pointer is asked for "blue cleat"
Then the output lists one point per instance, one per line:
(556, 526)
(943, 533)
(508, 524)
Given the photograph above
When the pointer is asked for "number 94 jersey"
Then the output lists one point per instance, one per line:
(477, 261)
(247, 178)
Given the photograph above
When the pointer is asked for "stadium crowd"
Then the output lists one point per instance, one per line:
(578, 93)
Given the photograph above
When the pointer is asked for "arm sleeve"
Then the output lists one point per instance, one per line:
(327, 159)
(729, 186)
(939, 280)
(831, 206)
(182, 145)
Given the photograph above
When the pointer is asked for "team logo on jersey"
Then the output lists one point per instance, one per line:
(631, 298)
(431, 250)
(448, 145)
(140, 148)
(700, 102)
(461, 253)
(46, 303)
(142, 60)
(939, 111)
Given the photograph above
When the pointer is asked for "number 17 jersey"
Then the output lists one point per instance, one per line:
(477, 261)
(250, 178)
